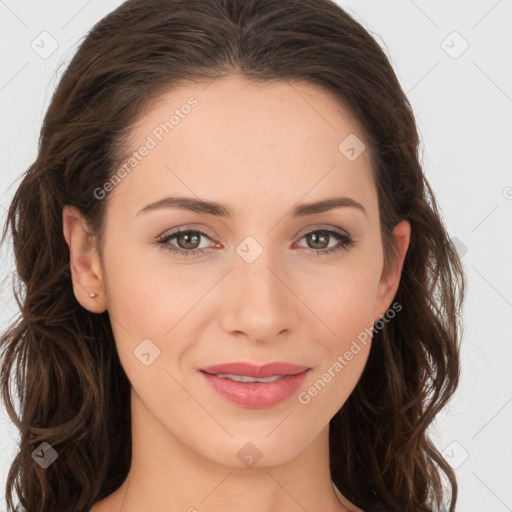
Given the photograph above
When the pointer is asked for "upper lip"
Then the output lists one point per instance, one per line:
(252, 370)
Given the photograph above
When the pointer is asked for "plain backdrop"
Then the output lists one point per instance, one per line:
(454, 61)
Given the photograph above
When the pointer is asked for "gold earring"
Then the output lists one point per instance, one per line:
(92, 295)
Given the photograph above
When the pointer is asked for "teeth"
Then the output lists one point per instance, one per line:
(245, 378)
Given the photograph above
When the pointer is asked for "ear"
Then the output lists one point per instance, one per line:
(85, 263)
(390, 278)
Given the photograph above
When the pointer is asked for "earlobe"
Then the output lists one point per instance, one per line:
(390, 278)
(85, 264)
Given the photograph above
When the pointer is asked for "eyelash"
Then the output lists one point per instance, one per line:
(346, 242)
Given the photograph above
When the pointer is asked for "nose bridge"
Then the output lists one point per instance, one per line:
(260, 277)
(259, 304)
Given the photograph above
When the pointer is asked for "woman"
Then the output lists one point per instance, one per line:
(238, 290)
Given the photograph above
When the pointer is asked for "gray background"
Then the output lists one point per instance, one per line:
(462, 98)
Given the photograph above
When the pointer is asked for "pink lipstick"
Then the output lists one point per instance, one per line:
(254, 386)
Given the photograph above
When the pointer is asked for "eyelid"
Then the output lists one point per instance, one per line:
(345, 240)
(321, 227)
(300, 234)
(187, 227)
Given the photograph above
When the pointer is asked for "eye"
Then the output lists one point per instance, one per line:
(319, 237)
(184, 237)
(189, 241)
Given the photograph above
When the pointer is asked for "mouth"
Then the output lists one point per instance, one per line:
(255, 392)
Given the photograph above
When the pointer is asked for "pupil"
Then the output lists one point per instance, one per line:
(187, 238)
(315, 237)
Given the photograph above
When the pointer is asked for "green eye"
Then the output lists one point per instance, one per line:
(194, 235)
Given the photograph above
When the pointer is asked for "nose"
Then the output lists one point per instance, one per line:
(259, 299)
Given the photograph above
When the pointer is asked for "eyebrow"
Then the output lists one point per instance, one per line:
(219, 210)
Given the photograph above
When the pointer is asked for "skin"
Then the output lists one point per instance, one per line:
(259, 150)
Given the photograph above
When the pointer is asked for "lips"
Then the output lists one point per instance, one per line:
(285, 380)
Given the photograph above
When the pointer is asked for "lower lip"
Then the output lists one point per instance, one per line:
(256, 395)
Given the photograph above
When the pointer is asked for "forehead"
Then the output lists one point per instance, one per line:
(238, 107)
(233, 139)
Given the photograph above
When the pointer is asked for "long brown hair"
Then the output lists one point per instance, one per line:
(71, 387)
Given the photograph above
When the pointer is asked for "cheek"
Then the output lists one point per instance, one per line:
(339, 371)
(141, 285)
(349, 317)
(138, 301)
(347, 310)
(343, 297)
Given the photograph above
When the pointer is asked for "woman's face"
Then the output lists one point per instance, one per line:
(257, 286)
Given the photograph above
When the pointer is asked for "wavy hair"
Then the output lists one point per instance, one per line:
(68, 380)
